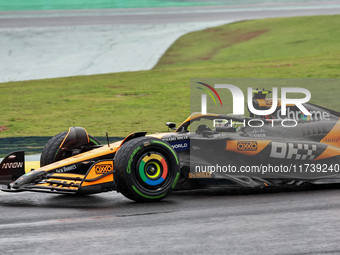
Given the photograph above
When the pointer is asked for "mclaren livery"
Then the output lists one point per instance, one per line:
(148, 167)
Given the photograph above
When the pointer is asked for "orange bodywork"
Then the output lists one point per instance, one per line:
(333, 137)
(99, 173)
(102, 151)
(249, 148)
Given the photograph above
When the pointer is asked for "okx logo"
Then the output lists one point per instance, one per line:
(247, 146)
(238, 99)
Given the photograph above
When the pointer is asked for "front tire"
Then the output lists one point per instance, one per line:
(146, 169)
(51, 148)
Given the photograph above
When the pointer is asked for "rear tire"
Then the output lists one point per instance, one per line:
(146, 169)
(48, 154)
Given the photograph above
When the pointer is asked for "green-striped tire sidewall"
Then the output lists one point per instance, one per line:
(146, 169)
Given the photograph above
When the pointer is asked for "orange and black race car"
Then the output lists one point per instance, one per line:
(204, 151)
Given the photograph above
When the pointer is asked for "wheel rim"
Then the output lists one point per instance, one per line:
(152, 170)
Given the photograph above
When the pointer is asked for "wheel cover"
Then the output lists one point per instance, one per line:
(152, 169)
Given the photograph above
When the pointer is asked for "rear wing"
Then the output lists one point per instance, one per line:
(12, 167)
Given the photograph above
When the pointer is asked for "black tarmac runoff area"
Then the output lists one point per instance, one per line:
(304, 220)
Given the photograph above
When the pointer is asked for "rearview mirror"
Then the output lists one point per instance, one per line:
(171, 125)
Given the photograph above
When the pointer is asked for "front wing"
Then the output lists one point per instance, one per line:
(99, 178)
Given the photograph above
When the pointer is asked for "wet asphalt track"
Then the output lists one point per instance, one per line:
(189, 222)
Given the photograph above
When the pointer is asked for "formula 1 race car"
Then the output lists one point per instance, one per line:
(204, 151)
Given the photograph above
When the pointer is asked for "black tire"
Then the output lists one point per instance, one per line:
(48, 154)
(146, 169)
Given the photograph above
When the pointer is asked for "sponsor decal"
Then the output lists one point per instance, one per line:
(328, 140)
(247, 146)
(297, 151)
(12, 165)
(130, 160)
(103, 169)
(66, 169)
(259, 132)
(175, 181)
(181, 145)
(175, 138)
(200, 175)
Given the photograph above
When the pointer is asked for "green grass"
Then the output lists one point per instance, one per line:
(259, 40)
(122, 103)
